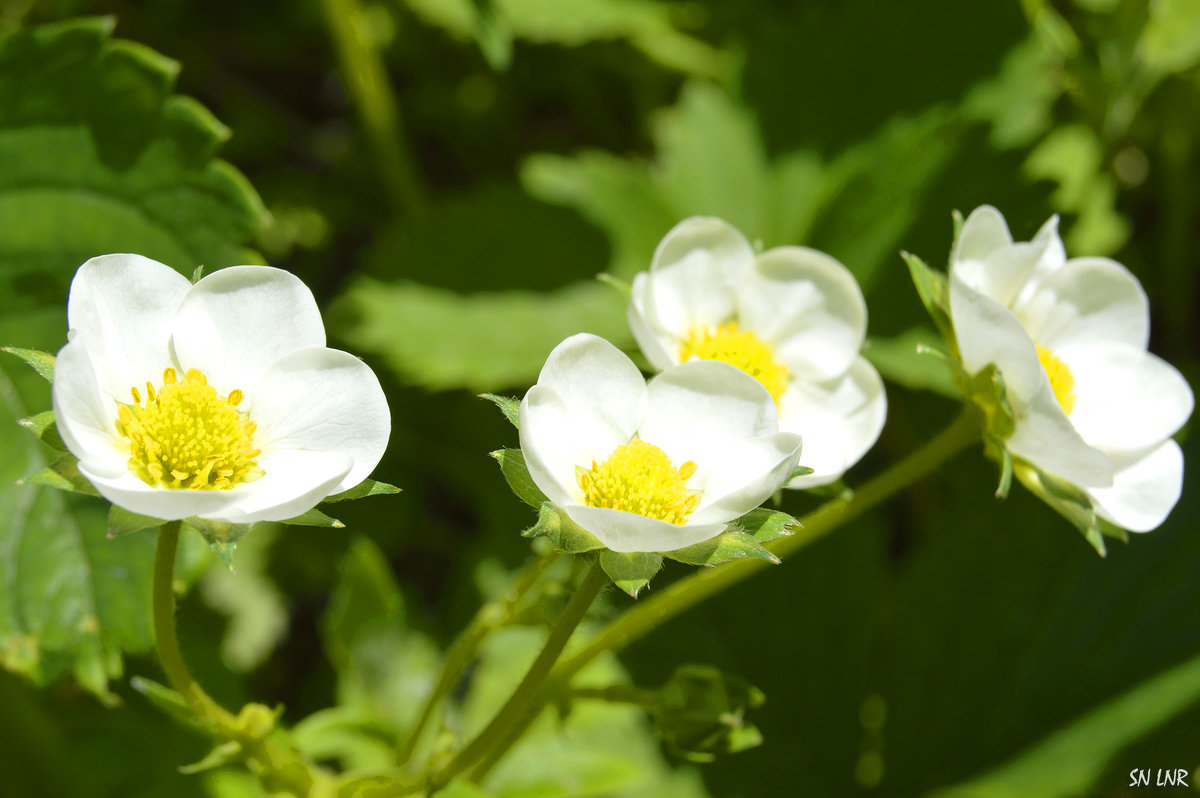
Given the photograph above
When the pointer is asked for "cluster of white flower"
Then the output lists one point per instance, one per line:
(220, 400)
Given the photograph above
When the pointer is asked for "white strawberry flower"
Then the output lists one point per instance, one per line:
(792, 317)
(217, 400)
(650, 467)
(1092, 406)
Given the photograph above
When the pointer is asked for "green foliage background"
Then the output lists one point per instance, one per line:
(451, 211)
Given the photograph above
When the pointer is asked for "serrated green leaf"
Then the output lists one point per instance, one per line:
(516, 474)
(442, 339)
(42, 425)
(122, 521)
(727, 546)
(556, 526)
(510, 407)
(630, 571)
(41, 362)
(368, 487)
(314, 517)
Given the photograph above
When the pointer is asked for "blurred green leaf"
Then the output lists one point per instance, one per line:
(1170, 41)
(909, 359)
(441, 339)
(701, 713)
(1069, 761)
(258, 614)
(494, 23)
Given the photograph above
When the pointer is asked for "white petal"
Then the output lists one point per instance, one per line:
(1125, 398)
(1088, 300)
(629, 532)
(549, 446)
(744, 476)
(839, 420)
(808, 307)
(692, 274)
(293, 482)
(236, 322)
(987, 332)
(984, 232)
(1044, 437)
(660, 347)
(121, 308)
(1144, 489)
(1053, 253)
(323, 400)
(695, 410)
(84, 415)
(601, 389)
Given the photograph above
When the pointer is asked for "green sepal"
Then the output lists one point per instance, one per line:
(122, 521)
(41, 362)
(167, 700)
(511, 408)
(198, 272)
(630, 571)
(42, 425)
(1006, 474)
(226, 753)
(62, 474)
(988, 391)
(1072, 503)
(956, 219)
(613, 281)
(555, 525)
(729, 545)
(765, 525)
(801, 471)
(222, 537)
(933, 289)
(516, 474)
(700, 713)
(368, 487)
(744, 538)
(314, 517)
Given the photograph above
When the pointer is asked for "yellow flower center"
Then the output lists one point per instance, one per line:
(742, 348)
(638, 477)
(186, 436)
(1060, 378)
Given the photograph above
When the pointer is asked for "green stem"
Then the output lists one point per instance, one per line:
(690, 591)
(366, 80)
(503, 729)
(275, 762)
(491, 616)
(210, 713)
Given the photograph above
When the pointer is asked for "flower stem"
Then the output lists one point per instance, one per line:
(512, 718)
(690, 591)
(367, 82)
(275, 763)
(491, 616)
(210, 713)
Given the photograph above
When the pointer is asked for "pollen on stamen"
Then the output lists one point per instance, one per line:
(638, 477)
(187, 436)
(731, 344)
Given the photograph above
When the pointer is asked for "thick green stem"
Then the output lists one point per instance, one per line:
(491, 616)
(502, 731)
(688, 592)
(276, 763)
(367, 82)
(210, 713)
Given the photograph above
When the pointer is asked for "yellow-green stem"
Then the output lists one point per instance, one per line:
(688, 592)
(511, 720)
(490, 616)
(367, 82)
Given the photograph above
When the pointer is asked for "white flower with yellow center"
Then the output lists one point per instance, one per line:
(791, 317)
(1092, 406)
(651, 467)
(217, 400)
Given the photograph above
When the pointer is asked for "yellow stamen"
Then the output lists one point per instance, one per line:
(741, 348)
(1060, 379)
(638, 477)
(187, 436)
